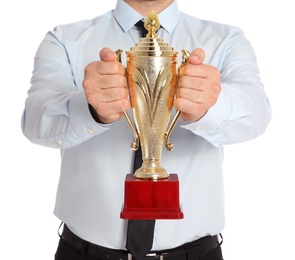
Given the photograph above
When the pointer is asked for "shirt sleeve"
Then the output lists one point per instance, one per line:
(242, 111)
(56, 110)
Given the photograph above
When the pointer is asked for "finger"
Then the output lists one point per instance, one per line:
(190, 111)
(112, 94)
(112, 111)
(192, 82)
(190, 94)
(197, 56)
(104, 68)
(201, 70)
(112, 81)
(107, 54)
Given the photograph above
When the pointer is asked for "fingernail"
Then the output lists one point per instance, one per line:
(107, 55)
(194, 58)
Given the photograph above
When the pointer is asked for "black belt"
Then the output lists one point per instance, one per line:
(192, 250)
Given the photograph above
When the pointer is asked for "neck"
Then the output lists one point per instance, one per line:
(145, 6)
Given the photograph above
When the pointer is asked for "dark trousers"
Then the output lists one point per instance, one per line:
(66, 252)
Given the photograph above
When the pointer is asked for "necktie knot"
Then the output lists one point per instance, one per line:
(140, 26)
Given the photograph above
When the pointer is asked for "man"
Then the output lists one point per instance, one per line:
(76, 102)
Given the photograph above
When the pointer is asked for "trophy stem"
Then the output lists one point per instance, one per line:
(151, 169)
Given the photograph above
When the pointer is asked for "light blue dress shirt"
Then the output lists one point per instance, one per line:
(95, 158)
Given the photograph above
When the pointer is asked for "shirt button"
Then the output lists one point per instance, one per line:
(90, 131)
(59, 142)
(198, 127)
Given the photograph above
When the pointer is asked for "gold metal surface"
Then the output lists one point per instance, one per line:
(152, 24)
(152, 75)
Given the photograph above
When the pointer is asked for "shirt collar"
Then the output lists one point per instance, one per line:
(126, 16)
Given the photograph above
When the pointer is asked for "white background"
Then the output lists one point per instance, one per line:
(259, 181)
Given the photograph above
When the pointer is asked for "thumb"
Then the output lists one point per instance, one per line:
(197, 56)
(106, 54)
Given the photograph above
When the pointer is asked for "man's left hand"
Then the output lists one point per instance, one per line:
(198, 87)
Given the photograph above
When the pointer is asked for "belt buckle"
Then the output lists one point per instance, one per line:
(155, 255)
(151, 255)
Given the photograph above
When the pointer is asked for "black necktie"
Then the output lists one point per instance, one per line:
(139, 232)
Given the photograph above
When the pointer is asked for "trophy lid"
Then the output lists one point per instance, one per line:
(152, 45)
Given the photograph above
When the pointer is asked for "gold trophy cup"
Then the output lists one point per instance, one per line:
(151, 193)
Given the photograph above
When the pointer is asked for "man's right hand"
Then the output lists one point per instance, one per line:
(105, 86)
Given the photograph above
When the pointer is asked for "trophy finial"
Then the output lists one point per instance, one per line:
(152, 24)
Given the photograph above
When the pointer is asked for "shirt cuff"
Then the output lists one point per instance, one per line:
(81, 119)
(230, 105)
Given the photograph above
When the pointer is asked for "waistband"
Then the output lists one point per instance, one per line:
(192, 250)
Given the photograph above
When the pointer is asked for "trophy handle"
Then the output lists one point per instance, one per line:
(134, 145)
(168, 144)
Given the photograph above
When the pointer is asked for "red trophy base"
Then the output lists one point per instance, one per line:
(151, 199)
